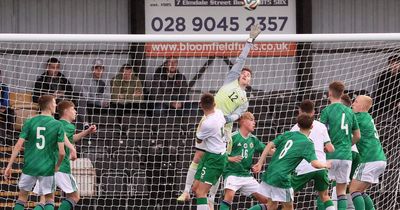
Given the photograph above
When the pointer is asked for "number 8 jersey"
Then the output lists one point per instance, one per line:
(41, 134)
(291, 149)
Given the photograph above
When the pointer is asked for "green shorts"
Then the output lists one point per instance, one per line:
(320, 177)
(211, 167)
(354, 163)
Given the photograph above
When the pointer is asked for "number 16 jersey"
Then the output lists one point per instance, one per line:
(41, 134)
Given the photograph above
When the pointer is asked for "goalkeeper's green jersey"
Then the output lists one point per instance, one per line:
(369, 146)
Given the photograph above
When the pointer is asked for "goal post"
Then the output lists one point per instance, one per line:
(147, 116)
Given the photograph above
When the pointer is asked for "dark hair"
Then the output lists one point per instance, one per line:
(305, 121)
(125, 66)
(207, 101)
(346, 100)
(63, 105)
(248, 70)
(307, 106)
(337, 89)
(44, 101)
(53, 60)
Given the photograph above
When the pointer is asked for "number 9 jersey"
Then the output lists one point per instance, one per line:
(41, 134)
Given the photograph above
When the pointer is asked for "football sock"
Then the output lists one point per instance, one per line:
(190, 176)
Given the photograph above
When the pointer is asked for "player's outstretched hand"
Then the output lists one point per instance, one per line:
(256, 168)
(92, 129)
(255, 31)
(235, 159)
(7, 174)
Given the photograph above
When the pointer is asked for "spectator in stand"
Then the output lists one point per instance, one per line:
(52, 82)
(171, 87)
(126, 90)
(387, 93)
(6, 112)
(94, 91)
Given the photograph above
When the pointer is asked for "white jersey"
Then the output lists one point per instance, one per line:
(211, 132)
(319, 135)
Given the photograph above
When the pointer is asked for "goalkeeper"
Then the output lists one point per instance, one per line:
(231, 99)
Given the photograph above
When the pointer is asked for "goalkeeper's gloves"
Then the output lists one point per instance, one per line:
(254, 32)
(228, 119)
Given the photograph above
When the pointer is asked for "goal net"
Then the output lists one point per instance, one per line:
(147, 115)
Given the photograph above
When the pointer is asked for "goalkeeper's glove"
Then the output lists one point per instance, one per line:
(228, 119)
(254, 32)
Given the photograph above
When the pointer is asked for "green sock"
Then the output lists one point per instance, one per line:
(342, 202)
(49, 206)
(19, 206)
(329, 205)
(65, 205)
(39, 206)
(225, 205)
(369, 204)
(202, 203)
(320, 204)
(258, 207)
(358, 201)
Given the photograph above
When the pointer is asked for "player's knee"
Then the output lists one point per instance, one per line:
(74, 196)
(228, 195)
(23, 196)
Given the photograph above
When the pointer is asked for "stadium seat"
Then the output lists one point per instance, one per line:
(106, 121)
(285, 114)
(135, 122)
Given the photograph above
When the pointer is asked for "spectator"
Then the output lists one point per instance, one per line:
(94, 91)
(6, 112)
(387, 93)
(52, 82)
(171, 86)
(126, 90)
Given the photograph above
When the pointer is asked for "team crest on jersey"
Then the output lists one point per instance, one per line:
(245, 146)
(251, 145)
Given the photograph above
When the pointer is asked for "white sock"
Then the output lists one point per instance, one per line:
(202, 207)
(190, 176)
(213, 191)
(334, 197)
(350, 204)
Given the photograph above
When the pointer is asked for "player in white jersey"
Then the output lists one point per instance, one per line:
(231, 99)
(305, 172)
(210, 134)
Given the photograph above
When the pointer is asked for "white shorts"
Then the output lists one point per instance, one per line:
(200, 146)
(66, 182)
(246, 185)
(45, 184)
(340, 171)
(370, 172)
(276, 193)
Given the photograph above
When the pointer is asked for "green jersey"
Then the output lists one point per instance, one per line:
(341, 122)
(41, 134)
(291, 149)
(369, 146)
(69, 129)
(246, 147)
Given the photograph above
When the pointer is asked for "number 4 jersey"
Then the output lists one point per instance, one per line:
(42, 134)
(341, 122)
(291, 149)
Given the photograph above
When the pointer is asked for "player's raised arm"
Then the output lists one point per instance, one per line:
(235, 115)
(17, 148)
(80, 135)
(234, 73)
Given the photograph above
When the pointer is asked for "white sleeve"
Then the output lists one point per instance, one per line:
(325, 134)
(204, 132)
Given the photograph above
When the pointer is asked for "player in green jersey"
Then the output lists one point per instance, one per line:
(237, 174)
(231, 99)
(291, 149)
(372, 158)
(63, 178)
(343, 130)
(41, 136)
